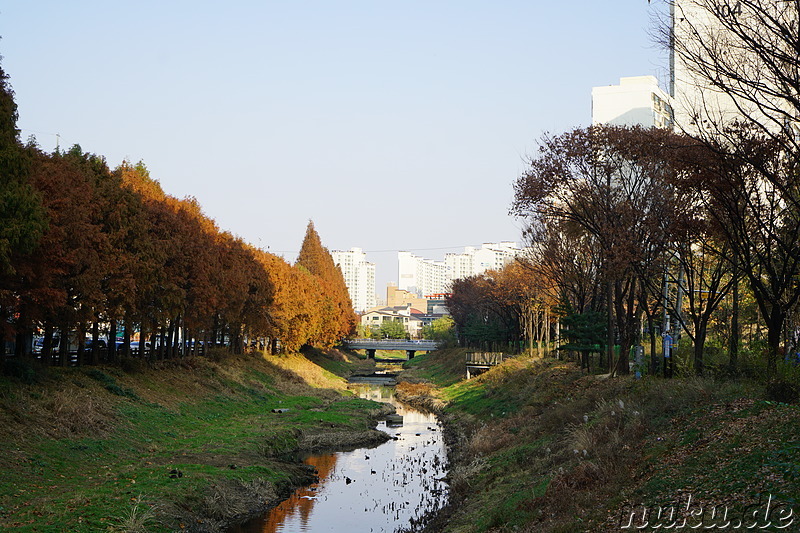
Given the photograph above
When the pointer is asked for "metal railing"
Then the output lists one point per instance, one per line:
(485, 358)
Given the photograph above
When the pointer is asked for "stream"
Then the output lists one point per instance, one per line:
(387, 488)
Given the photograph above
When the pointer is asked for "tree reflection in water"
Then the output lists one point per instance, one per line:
(369, 490)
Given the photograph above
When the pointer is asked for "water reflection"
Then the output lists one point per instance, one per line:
(369, 490)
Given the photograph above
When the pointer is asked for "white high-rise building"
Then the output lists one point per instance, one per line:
(421, 276)
(635, 101)
(694, 97)
(426, 277)
(474, 261)
(702, 30)
(359, 276)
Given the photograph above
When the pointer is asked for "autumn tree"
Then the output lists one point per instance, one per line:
(339, 319)
(612, 184)
(501, 309)
(22, 217)
(121, 254)
(760, 224)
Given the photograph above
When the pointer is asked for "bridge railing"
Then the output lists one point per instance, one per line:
(409, 344)
(485, 358)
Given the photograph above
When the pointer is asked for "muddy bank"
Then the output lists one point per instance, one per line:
(421, 396)
(226, 503)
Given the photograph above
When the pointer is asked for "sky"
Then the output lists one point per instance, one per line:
(392, 125)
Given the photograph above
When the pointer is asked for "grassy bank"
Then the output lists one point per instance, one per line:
(540, 446)
(187, 445)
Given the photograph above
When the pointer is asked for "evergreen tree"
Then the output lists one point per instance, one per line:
(22, 218)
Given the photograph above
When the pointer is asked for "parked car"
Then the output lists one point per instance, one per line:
(89, 344)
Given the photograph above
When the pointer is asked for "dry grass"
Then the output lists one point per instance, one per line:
(57, 410)
(420, 395)
(224, 502)
(565, 440)
(463, 476)
(297, 370)
(337, 440)
(488, 439)
(138, 519)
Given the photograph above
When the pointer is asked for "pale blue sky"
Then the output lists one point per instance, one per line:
(393, 125)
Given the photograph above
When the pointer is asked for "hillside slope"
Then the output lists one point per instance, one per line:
(193, 444)
(540, 446)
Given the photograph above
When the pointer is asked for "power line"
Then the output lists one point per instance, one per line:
(56, 135)
(386, 251)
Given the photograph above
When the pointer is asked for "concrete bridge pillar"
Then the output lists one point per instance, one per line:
(370, 353)
(410, 353)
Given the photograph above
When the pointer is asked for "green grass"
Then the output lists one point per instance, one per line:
(441, 367)
(525, 424)
(207, 423)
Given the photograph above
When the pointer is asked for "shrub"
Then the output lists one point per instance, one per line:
(26, 370)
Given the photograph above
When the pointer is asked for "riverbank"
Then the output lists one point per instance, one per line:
(194, 444)
(540, 446)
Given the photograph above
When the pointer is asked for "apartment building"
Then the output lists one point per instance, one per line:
(426, 277)
(359, 276)
(637, 100)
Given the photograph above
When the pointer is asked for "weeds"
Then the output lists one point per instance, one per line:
(138, 518)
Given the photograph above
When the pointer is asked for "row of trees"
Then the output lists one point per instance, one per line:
(631, 224)
(630, 236)
(84, 248)
(636, 230)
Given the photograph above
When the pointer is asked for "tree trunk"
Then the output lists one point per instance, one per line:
(774, 329)
(176, 331)
(112, 341)
(2, 338)
(126, 337)
(63, 347)
(651, 329)
(529, 329)
(47, 344)
(547, 329)
(94, 357)
(700, 330)
(610, 324)
(162, 343)
(733, 350)
(627, 329)
(168, 353)
(81, 344)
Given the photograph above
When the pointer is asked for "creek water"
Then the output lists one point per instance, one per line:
(382, 489)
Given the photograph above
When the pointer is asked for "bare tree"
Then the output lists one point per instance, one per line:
(736, 67)
(612, 182)
(735, 62)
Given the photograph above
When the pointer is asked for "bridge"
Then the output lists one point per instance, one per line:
(410, 346)
(479, 362)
